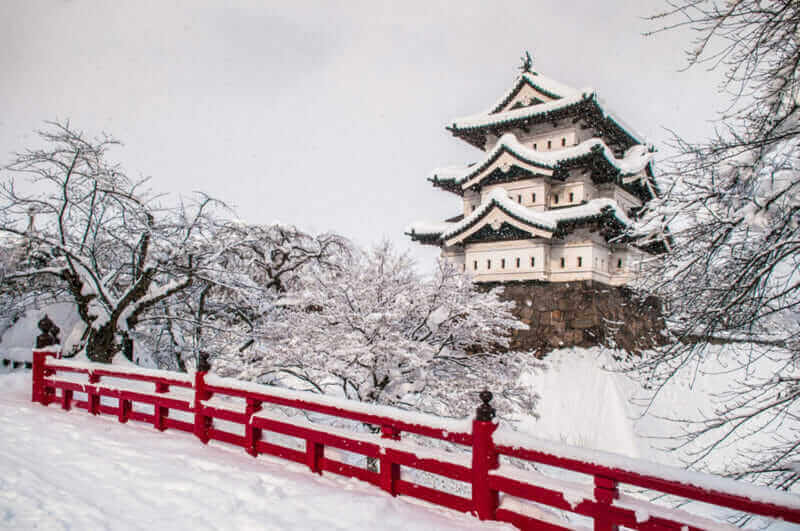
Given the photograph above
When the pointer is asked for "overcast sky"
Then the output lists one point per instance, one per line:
(327, 115)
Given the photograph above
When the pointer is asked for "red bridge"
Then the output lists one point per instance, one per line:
(604, 490)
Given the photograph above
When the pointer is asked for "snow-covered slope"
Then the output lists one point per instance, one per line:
(17, 342)
(581, 404)
(71, 471)
(586, 403)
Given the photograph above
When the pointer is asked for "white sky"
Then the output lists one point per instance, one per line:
(328, 115)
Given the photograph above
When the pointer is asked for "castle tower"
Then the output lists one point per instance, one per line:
(559, 179)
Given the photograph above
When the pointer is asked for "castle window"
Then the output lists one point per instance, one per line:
(503, 263)
(533, 197)
(519, 199)
(619, 263)
(488, 264)
(580, 261)
(549, 144)
(534, 146)
(517, 263)
(571, 197)
(563, 262)
(533, 261)
(475, 265)
(555, 199)
(563, 141)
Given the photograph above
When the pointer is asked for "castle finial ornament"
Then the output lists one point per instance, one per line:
(527, 62)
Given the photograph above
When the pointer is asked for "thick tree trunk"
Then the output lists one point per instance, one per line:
(100, 345)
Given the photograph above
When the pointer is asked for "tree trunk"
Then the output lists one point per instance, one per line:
(100, 345)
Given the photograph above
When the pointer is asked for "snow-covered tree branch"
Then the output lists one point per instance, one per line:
(373, 330)
(98, 236)
(730, 216)
(253, 272)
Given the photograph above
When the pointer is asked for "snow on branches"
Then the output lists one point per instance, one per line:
(373, 330)
(730, 217)
(242, 287)
(97, 236)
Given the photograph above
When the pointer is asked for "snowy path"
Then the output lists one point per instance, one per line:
(63, 470)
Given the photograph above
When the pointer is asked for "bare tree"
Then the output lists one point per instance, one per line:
(99, 236)
(254, 271)
(730, 217)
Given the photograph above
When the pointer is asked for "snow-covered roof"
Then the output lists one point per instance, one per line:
(547, 220)
(635, 160)
(543, 84)
(563, 96)
(499, 198)
(485, 119)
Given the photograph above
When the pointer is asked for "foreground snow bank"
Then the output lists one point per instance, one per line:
(68, 470)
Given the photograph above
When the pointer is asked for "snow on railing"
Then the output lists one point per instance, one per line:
(482, 456)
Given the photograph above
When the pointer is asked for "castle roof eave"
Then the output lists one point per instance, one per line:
(474, 128)
(546, 224)
(458, 180)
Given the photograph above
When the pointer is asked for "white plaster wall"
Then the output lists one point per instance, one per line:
(624, 199)
(455, 256)
(577, 189)
(558, 139)
(541, 133)
(523, 192)
(471, 201)
(481, 253)
(598, 261)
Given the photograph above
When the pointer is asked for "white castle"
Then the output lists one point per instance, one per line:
(559, 181)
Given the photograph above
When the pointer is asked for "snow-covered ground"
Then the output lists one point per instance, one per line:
(69, 470)
(72, 471)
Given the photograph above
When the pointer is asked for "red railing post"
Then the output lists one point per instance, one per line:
(66, 399)
(202, 423)
(37, 376)
(39, 372)
(93, 399)
(314, 454)
(252, 434)
(484, 459)
(605, 492)
(390, 472)
(124, 412)
(159, 411)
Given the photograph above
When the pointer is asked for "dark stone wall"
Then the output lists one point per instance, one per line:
(583, 313)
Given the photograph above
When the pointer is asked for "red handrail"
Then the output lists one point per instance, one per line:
(480, 468)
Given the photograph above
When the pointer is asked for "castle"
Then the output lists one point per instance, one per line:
(559, 181)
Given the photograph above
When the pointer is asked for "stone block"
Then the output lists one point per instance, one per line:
(582, 323)
(561, 314)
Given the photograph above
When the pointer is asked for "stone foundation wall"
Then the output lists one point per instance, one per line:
(583, 313)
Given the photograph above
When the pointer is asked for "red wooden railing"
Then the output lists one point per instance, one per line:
(478, 457)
